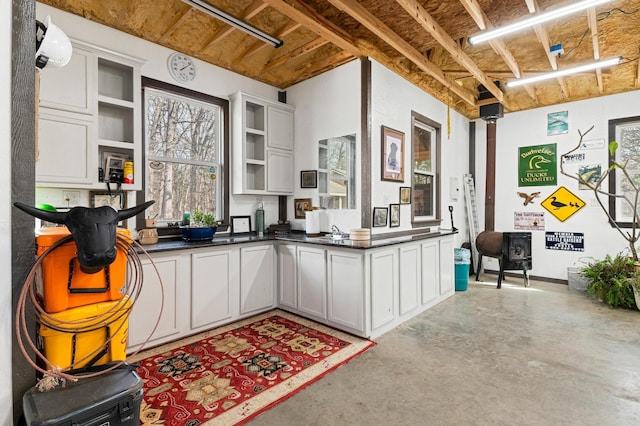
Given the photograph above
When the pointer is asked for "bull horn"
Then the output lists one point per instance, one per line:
(55, 217)
(127, 213)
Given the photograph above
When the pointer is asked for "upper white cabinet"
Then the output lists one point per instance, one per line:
(262, 139)
(89, 110)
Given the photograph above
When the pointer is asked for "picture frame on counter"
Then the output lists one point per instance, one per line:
(240, 225)
(308, 179)
(300, 205)
(380, 216)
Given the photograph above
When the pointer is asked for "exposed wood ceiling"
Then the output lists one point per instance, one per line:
(423, 41)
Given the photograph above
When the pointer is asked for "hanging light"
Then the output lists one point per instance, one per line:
(566, 71)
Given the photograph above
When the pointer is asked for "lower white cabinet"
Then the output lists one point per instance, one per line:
(150, 301)
(287, 276)
(410, 278)
(257, 278)
(213, 278)
(384, 283)
(345, 290)
(312, 281)
(430, 271)
(447, 267)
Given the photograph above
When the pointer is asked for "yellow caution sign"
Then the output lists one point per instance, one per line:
(562, 204)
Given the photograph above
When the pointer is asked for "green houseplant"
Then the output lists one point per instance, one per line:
(202, 226)
(614, 280)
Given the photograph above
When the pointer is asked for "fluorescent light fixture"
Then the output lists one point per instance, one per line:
(566, 71)
(233, 21)
(533, 20)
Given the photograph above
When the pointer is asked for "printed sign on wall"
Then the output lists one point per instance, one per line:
(557, 123)
(562, 204)
(533, 221)
(537, 165)
(567, 241)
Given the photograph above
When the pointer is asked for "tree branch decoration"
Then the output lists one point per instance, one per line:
(632, 201)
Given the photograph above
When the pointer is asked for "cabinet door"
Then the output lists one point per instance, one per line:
(312, 281)
(287, 292)
(430, 271)
(72, 87)
(345, 289)
(280, 128)
(257, 278)
(66, 151)
(280, 171)
(384, 282)
(150, 301)
(447, 280)
(410, 278)
(211, 279)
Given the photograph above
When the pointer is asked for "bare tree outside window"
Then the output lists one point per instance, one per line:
(182, 139)
(336, 172)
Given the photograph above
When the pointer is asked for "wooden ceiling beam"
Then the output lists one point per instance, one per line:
(373, 24)
(498, 45)
(249, 12)
(593, 26)
(311, 24)
(311, 69)
(543, 38)
(177, 24)
(417, 12)
(296, 53)
(288, 28)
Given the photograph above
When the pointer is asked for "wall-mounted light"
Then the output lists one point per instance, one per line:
(233, 21)
(534, 20)
(567, 71)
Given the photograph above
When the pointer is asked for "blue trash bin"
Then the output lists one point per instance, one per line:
(462, 258)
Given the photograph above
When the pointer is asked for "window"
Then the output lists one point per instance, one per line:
(625, 131)
(336, 172)
(425, 141)
(185, 139)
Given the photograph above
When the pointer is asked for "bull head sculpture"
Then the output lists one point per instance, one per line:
(92, 229)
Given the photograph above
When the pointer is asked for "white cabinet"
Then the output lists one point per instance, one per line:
(287, 276)
(410, 278)
(155, 297)
(430, 271)
(345, 290)
(447, 267)
(213, 277)
(384, 284)
(89, 110)
(262, 140)
(312, 281)
(257, 278)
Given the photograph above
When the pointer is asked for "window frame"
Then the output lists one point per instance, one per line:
(224, 156)
(613, 183)
(435, 220)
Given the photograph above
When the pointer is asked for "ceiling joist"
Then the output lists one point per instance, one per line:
(252, 10)
(593, 26)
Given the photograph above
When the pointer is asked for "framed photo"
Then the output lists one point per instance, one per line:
(405, 195)
(117, 201)
(392, 155)
(240, 225)
(309, 179)
(394, 215)
(380, 216)
(300, 206)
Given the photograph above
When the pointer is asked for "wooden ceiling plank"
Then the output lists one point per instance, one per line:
(249, 12)
(476, 12)
(312, 69)
(373, 24)
(415, 10)
(543, 37)
(183, 18)
(288, 28)
(593, 25)
(331, 35)
(302, 50)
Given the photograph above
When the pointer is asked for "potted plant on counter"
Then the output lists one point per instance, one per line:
(202, 226)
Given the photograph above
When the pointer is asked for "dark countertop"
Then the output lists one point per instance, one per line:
(295, 237)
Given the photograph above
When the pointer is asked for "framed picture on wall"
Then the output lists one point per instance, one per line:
(309, 179)
(380, 216)
(392, 155)
(405, 195)
(394, 215)
(300, 206)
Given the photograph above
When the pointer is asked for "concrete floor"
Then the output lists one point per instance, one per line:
(541, 355)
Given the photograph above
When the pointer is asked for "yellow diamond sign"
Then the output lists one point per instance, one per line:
(562, 204)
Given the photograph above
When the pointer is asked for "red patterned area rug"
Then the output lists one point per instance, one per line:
(229, 375)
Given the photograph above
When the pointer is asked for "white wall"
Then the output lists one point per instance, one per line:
(6, 394)
(326, 106)
(209, 79)
(393, 99)
(529, 128)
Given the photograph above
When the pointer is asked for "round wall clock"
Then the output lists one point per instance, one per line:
(181, 67)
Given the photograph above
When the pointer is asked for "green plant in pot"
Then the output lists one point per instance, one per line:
(614, 280)
(202, 227)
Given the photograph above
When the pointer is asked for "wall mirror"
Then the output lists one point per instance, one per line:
(336, 172)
